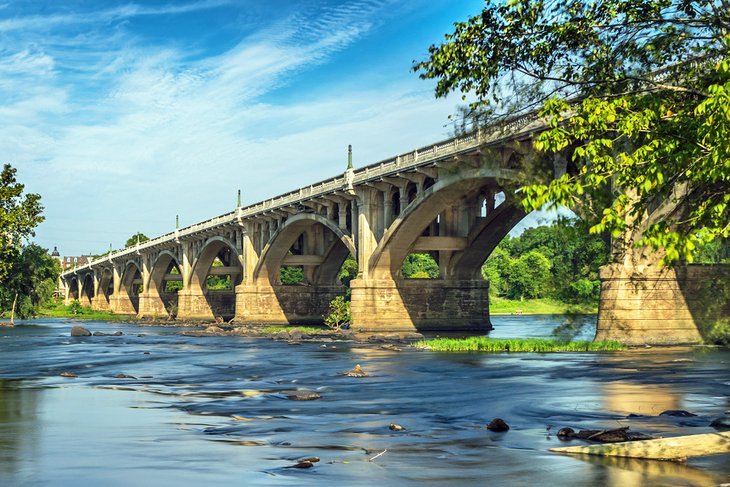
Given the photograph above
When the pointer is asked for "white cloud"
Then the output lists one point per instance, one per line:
(143, 133)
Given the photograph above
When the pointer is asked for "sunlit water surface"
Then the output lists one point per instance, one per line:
(214, 410)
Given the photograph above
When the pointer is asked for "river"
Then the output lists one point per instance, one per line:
(214, 410)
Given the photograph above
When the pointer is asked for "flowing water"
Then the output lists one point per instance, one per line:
(215, 411)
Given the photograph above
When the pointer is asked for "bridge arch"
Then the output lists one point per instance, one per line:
(159, 298)
(423, 210)
(217, 302)
(73, 289)
(86, 293)
(328, 253)
(129, 289)
(106, 288)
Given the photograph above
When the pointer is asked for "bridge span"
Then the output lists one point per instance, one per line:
(453, 199)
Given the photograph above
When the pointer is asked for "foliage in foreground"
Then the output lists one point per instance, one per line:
(647, 152)
(486, 344)
(340, 314)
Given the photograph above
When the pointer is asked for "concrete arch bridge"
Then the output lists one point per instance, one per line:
(452, 199)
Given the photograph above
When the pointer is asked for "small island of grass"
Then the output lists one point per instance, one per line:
(486, 344)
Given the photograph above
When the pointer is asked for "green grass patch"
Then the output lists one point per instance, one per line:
(303, 329)
(544, 306)
(486, 344)
(79, 313)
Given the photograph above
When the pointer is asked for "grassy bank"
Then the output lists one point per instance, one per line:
(502, 306)
(484, 344)
(58, 310)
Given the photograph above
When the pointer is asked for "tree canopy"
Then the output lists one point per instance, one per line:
(637, 96)
(32, 276)
(134, 239)
(19, 215)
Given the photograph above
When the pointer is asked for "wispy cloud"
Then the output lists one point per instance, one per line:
(110, 128)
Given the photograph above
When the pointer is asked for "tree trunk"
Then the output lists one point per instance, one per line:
(12, 311)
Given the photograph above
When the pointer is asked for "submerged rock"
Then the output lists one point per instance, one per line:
(356, 371)
(604, 436)
(566, 433)
(303, 396)
(677, 413)
(102, 334)
(214, 329)
(722, 423)
(68, 374)
(80, 331)
(125, 376)
(497, 424)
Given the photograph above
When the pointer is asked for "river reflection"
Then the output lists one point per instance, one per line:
(18, 426)
(215, 410)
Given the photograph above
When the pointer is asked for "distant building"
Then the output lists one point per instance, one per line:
(71, 262)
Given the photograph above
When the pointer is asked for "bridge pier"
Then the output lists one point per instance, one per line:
(284, 305)
(193, 305)
(125, 305)
(420, 305)
(661, 306)
(154, 304)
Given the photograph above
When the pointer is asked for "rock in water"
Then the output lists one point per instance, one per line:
(303, 396)
(80, 331)
(68, 374)
(396, 427)
(125, 376)
(497, 424)
(677, 413)
(566, 433)
(214, 329)
(356, 371)
(721, 423)
(303, 464)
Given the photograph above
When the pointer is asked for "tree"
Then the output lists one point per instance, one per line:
(19, 215)
(422, 264)
(136, 238)
(636, 93)
(33, 277)
(529, 276)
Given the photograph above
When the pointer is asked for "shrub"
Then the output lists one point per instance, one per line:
(339, 313)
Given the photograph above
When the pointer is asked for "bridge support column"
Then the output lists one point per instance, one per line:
(193, 305)
(123, 305)
(152, 304)
(100, 302)
(284, 305)
(420, 305)
(655, 306)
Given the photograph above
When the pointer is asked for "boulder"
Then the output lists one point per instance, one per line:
(303, 396)
(80, 331)
(677, 413)
(497, 424)
(356, 371)
(721, 423)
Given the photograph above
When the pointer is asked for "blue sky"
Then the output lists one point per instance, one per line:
(123, 115)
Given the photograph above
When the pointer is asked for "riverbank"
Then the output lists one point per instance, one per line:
(544, 306)
(497, 306)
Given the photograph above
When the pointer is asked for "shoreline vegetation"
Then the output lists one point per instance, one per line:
(497, 306)
(493, 345)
